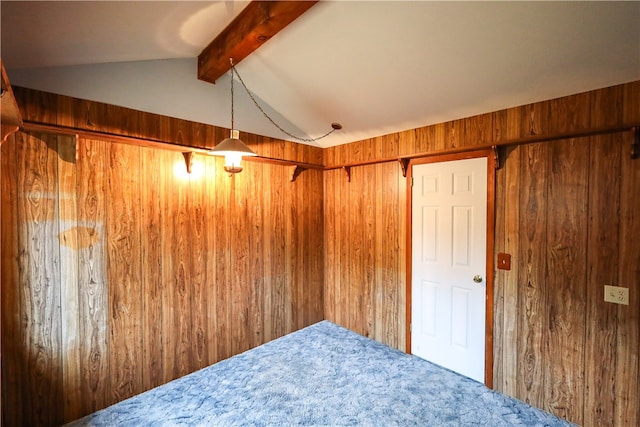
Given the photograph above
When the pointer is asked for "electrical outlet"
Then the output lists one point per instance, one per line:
(616, 294)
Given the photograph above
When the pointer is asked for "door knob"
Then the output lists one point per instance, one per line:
(477, 278)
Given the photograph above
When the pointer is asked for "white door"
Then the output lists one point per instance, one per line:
(449, 215)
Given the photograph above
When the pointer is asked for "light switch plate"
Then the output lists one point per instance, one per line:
(616, 294)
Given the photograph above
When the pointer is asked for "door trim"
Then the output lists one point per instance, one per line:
(490, 154)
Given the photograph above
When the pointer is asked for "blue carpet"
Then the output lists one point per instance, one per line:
(322, 375)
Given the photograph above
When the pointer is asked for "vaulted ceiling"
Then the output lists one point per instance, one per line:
(375, 67)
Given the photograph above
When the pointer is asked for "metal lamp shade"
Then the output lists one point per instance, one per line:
(232, 149)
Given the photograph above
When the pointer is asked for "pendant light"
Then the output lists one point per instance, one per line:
(232, 148)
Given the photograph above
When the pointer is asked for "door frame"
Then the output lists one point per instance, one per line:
(491, 155)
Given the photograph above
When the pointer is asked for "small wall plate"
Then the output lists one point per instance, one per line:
(504, 261)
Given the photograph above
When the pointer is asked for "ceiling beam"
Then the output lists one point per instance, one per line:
(256, 24)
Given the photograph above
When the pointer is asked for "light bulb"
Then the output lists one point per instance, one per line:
(232, 162)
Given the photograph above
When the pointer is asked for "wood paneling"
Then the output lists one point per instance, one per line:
(81, 115)
(174, 272)
(604, 110)
(121, 272)
(363, 289)
(567, 213)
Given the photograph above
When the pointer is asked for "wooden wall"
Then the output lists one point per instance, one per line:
(365, 255)
(121, 272)
(567, 212)
(118, 274)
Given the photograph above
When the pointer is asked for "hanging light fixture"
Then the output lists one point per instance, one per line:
(232, 148)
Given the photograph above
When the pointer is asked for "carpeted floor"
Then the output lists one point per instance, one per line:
(322, 375)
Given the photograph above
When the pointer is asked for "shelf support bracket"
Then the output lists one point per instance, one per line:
(404, 166)
(188, 160)
(499, 155)
(296, 170)
(347, 171)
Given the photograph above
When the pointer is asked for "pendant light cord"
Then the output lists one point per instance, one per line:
(334, 126)
(233, 69)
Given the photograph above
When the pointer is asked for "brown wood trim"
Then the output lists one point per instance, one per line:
(31, 126)
(491, 237)
(491, 145)
(255, 25)
(491, 171)
(409, 257)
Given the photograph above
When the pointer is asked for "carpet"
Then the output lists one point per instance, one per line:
(322, 375)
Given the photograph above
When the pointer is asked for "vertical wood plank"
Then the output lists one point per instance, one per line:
(198, 241)
(39, 284)
(93, 288)
(255, 234)
(290, 250)
(12, 362)
(240, 276)
(299, 239)
(357, 286)
(267, 282)
(181, 273)
(277, 253)
(223, 260)
(356, 248)
(347, 253)
(509, 280)
(631, 106)
(602, 259)
(330, 253)
(393, 240)
(379, 293)
(314, 255)
(152, 218)
(167, 181)
(566, 279)
(627, 371)
(499, 279)
(399, 245)
(531, 273)
(341, 242)
(212, 303)
(69, 293)
(123, 271)
(368, 249)
(606, 106)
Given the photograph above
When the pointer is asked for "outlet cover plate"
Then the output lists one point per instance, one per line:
(616, 294)
(504, 261)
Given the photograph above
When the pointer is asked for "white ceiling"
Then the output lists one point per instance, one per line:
(375, 67)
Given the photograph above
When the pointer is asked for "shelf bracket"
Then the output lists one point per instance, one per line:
(404, 165)
(347, 171)
(188, 160)
(499, 155)
(296, 170)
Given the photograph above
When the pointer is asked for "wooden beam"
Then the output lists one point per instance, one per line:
(256, 24)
